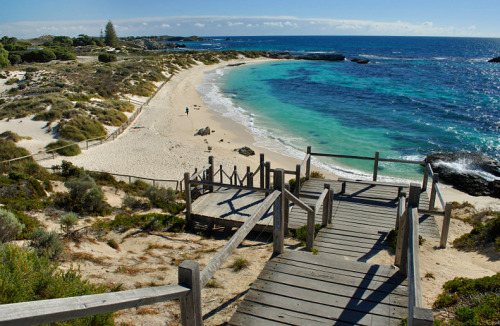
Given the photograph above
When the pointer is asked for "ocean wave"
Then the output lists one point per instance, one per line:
(463, 166)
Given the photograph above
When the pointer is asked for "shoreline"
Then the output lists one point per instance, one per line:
(161, 144)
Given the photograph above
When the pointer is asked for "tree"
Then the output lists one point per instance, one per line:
(4, 57)
(110, 37)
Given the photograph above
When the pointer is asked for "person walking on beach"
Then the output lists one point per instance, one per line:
(187, 110)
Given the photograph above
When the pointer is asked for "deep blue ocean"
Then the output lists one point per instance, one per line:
(418, 95)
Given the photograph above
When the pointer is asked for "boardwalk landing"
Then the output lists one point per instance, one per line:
(336, 286)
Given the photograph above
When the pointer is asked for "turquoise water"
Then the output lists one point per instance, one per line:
(417, 96)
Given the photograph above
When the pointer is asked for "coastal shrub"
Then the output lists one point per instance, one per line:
(107, 57)
(46, 244)
(43, 55)
(81, 128)
(136, 203)
(10, 226)
(78, 97)
(136, 188)
(473, 301)
(110, 117)
(317, 175)
(143, 88)
(63, 54)
(482, 236)
(31, 277)
(10, 135)
(293, 184)
(9, 150)
(35, 105)
(12, 81)
(15, 59)
(119, 105)
(30, 224)
(392, 239)
(68, 221)
(103, 178)
(163, 198)
(239, 263)
(301, 233)
(64, 147)
(85, 196)
(68, 170)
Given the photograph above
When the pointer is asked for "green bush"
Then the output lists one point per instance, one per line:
(69, 170)
(483, 235)
(81, 128)
(47, 244)
(161, 197)
(110, 117)
(9, 135)
(86, 196)
(64, 147)
(474, 301)
(119, 105)
(44, 55)
(78, 97)
(10, 227)
(12, 81)
(149, 222)
(107, 57)
(63, 54)
(68, 221)
(29, 277)
(135, 203)
(301, 233)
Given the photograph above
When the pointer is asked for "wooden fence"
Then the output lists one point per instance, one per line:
(428, 172)
(407, 256)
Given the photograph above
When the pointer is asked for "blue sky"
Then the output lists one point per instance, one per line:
(31, 18)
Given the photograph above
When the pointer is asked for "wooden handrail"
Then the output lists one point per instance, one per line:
(54, 310)
(214, 264)
(320, 201)
(417, 315)
(297, 201)
(225, 185)
(203, 170)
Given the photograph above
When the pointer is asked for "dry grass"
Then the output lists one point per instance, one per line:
(90, 257)
(147, 311)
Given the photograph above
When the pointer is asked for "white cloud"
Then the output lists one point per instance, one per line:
(236, 25)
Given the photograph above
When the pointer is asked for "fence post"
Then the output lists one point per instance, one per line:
(297, 179)
(87, 144)
(432, 200)
(375, 166)
(286, 209)
(248, 174)
(426, 178)
(250, 179)
(261, 169)
(446, 225)
(400, 210)
(235, 174)
(279, 204)
(326, 206)
(402, 242)
(187, 191)
(310, 229)
(211, 172)
(268, 174)
(189, 276)
(221, 174)
(330, 205)
(308, 163)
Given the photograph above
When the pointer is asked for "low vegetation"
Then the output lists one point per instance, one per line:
(471, 301)
(64, 147)
(482, 236)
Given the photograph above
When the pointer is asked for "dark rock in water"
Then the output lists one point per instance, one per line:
(321, 56)
(360, 60)
(245, 151)
(475, 174)
(203, 132)
(496, 59)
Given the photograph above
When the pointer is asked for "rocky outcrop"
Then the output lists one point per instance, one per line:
(150, 44)
(247, 151)
(496, 59)
(321, 56)
(203, 132)
(475, 174)
(360, 60)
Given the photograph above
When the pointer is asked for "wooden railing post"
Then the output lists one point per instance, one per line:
(187, 192)
(247, 175)
(426, 178)
(279, 206)
(189, 276)
(221, 174)
(211, 172)
(330, 205)
(297, 179)
(446, 225)
(310, 228)
(401, 259)
(400, 209)
(286, 210)
(268, 174)
(261, 170)
(375, 166)
(308, 163)
(250, 179)
(432, 199)
(326, 206)
(235, 174)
